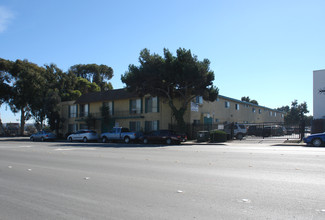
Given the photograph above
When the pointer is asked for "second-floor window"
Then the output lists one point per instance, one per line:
(84, 110)
(199, 100)
(135, 106)
(227, 104)
(109, 106)
(73, 109)
(152, 104)
(237, 106)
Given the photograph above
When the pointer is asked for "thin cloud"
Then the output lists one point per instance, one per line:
(5, 17)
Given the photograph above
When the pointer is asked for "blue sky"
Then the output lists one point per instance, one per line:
(266, 50)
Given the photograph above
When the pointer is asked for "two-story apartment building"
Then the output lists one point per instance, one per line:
(153, 113)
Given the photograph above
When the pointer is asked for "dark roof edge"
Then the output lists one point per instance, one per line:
(248, 103)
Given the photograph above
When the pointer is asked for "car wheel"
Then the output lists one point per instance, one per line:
(317, 142)
(239, 136)
(42, 139)
(126, 140)
(104, 140)
(84, 139)
(145, 141)
(168, 141)
(70, 139)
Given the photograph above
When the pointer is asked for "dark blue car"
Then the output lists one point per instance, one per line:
(315, 140)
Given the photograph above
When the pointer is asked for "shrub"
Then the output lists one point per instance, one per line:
(218, 136)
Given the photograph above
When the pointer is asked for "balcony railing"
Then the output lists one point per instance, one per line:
(115, 115)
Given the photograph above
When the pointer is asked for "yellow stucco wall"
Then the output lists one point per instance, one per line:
(220, 114)
(215, 110)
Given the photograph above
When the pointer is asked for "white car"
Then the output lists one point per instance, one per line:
(83, 135)
(239, 130)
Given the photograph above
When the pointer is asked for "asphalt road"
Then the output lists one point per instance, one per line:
(238, 180)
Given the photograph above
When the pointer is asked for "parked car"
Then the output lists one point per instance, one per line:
(266, 131)
(119, 134)
(162, 136)
(290, 130)
(315, 140)
(83, 135)
(43, 136)
(240, 130)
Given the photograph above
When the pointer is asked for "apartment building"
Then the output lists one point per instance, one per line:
(153, 113)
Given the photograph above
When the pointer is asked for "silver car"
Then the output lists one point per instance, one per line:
(43, 136)
(83, 135)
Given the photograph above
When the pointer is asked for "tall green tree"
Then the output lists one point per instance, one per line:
(99, 74)
(62, 87)
(5, 80)
(181, 77)
(296, 113)
(27, 86)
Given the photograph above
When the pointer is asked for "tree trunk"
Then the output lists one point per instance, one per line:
(22, 121)
(179, 116)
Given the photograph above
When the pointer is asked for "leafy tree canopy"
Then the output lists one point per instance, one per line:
(247, 99)
(295, 113)
(98, 74)
(182, 76)
(26, 86)
(37, 91)
(5, 79)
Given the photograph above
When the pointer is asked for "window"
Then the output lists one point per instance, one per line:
(84, 110)
(152, 104)
(271, 113)
(72, 128)
(110, 106)
(135, 106)
(253, 110)
(151, 126)
(83, 126)
(227, 104)
(73, 109)
(274, 114)
(135, 125)
(196, 122)
(199, 100)
(259, 111)
(237, 106)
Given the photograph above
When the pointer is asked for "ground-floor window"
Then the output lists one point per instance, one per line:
(72, 128)
(135, 125)
(83, 126)
(151, 126)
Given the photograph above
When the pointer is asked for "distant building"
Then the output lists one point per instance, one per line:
(319, 94)
(153, 113)
(318, 101)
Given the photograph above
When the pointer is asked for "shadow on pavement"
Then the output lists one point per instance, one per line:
(22, 139)
(131, 145)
